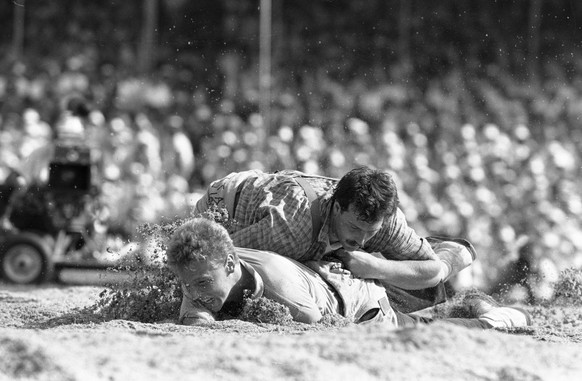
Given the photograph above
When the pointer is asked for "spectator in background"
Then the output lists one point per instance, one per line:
(69, 129)
(147, 157)
(177, 150)
(10, 188)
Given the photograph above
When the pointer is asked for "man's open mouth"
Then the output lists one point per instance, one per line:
(206, 301)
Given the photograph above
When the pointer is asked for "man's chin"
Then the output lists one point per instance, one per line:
(215, 306)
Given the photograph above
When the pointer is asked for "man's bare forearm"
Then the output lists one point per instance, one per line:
(407, 274)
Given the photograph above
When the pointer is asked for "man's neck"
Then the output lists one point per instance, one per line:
(331, 235)
(247, 282)
(243, 287)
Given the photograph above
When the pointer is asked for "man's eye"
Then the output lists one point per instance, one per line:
(204, 282)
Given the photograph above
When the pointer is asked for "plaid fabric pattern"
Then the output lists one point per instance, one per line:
(273, 213)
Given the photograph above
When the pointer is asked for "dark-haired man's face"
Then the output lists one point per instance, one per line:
(351, 232)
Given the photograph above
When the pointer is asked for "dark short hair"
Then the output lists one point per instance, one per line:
(372, 192)
(197, 240)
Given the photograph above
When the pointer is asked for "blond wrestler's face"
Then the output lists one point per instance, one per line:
(349, 230)
(209, 283)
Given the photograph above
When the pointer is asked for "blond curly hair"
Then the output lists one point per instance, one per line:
(197, 240)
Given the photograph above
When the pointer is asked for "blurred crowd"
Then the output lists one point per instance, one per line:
(478, 154)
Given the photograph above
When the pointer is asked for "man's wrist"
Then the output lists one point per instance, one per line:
(373, 267)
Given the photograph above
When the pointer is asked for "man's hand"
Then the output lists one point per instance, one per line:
(361, 264)
(328, 267)
(197, 318)
(192, 312)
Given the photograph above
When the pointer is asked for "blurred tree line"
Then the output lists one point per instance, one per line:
(430, 37)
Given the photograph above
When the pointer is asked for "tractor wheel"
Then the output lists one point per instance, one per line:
(24, 260)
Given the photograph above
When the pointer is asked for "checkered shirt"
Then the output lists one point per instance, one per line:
(273, 213)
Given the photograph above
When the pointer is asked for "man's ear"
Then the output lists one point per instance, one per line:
(230, 263)
(337, 208)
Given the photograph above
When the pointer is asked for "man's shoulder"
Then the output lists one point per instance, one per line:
(263, 257)
(271, 265)
(285, 180)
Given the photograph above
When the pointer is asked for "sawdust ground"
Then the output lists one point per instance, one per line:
(42, 337)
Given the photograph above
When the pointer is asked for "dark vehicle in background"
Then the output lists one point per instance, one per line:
(42, 224)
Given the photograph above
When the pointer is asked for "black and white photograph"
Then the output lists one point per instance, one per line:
(265, 190)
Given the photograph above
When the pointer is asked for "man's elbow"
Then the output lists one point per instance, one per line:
(419, 283)
(432, 282)
(429, 274)
(433, 274)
